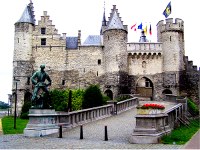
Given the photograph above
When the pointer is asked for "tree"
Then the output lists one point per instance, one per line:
(92, 97)
(3, 105)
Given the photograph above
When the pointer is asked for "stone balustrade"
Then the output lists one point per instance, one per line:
(75, 118)
(126, 104)
(144, 47)
(173, 114)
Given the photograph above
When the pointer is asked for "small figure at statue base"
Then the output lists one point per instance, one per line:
(38, 80)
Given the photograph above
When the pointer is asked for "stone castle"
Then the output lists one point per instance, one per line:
(108, 59)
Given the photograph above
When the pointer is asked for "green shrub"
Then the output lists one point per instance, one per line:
(92, 97)
(105, 99)
(122, 97)
(192, 107)
(77, 99)
(59, 99)
(25, 110)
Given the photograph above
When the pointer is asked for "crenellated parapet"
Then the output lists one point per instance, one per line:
(170, 25)
(144, 47)
(189, 65)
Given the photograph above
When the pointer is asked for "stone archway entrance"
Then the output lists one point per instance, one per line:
(109, 93)
(144, 88)
(167, 91)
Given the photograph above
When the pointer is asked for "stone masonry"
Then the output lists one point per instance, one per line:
(108, 59)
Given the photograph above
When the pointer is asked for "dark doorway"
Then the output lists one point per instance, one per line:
(167, 91)
(144, 88)
(109, 93)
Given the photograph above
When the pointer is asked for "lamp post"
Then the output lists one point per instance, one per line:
(15, 113)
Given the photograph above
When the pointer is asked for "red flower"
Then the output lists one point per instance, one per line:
(153, 106)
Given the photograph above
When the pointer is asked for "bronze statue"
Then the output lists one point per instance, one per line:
(40, 83)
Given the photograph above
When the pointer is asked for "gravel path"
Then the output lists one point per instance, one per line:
(119, 128)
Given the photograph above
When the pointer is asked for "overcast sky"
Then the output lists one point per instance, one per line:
(69, 16)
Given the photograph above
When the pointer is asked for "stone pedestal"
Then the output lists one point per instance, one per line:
(149, 128)
(41, 122)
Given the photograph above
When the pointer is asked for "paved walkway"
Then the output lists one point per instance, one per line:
(194, 142)
(119, 128)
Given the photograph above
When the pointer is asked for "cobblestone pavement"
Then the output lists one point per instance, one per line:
(119, 129)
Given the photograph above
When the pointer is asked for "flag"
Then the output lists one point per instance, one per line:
(133, 27)
(150, 32)
(145, 30)
(140, 26)
(167, 10)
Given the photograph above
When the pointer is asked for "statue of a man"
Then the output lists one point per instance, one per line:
(38, 79)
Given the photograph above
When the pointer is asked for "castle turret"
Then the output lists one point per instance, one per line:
(22, 68)
(172, 36)
(143, 37)
(115, 49)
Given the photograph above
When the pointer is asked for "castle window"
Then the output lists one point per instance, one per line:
(170, 38)
(18, 40)
(83, 69)
(97, 73)
(43, 41)
(99, 61)
(43, 30)
(63, 82)
(144, 64)
(108, 37)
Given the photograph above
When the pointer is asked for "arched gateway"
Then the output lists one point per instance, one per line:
(144, 87)
(109, 93)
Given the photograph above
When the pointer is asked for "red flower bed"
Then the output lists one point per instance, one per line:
(153, 106)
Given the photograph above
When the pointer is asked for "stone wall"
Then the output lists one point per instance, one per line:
(139, 64)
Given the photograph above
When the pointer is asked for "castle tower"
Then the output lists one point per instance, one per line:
(22, 63)
(171, 34)
(172, 37)
(115, 51)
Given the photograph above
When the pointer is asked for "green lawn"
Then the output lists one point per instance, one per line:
(182, 134)
(8, 125)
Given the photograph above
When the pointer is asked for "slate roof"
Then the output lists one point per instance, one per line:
(93, 40)
(27, 15)
(71, 42)
(115, 22)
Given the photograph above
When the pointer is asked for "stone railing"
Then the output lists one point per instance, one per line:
(127, 104)
(46, 121)
(144, 47)
(174, 113)
(76, 118)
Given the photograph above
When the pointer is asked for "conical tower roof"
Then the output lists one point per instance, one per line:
(28, 14)
(114, 20)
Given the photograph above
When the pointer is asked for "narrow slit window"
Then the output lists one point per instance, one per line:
(63, 82)
(99, 61)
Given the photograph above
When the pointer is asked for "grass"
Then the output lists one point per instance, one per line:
(8, 125)
(181, 134)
